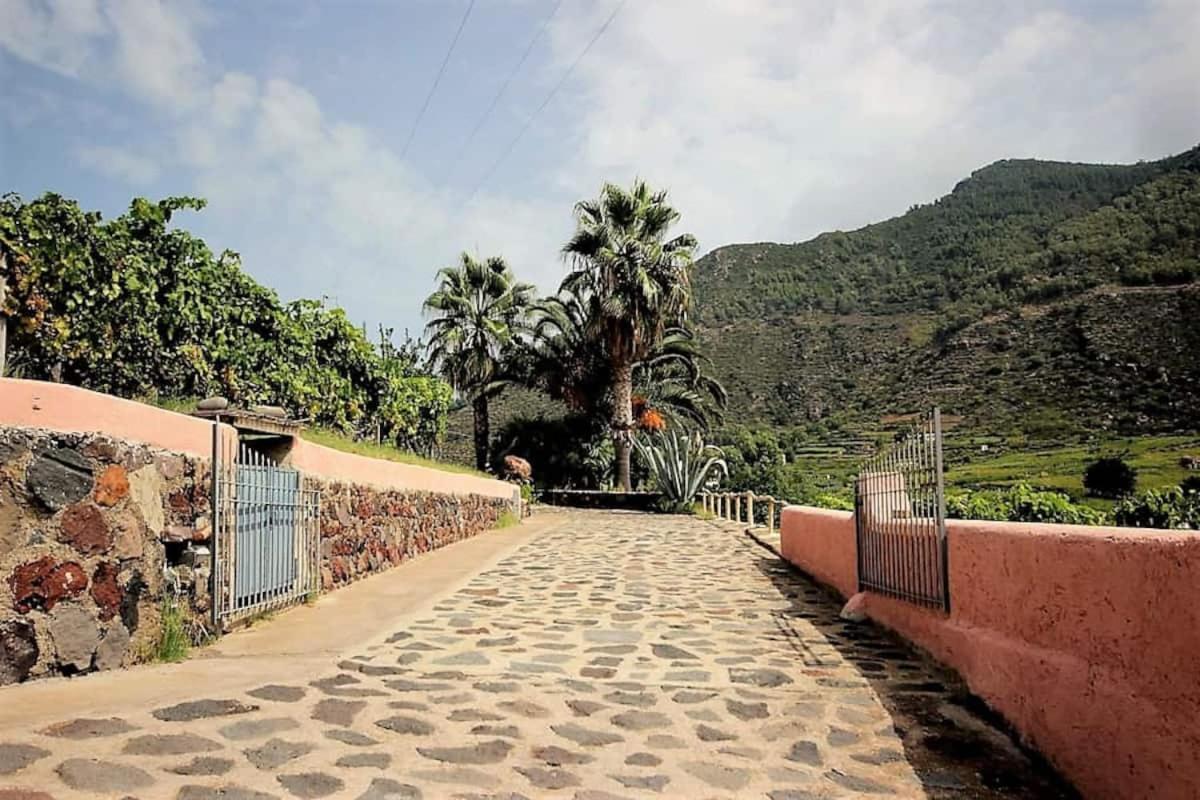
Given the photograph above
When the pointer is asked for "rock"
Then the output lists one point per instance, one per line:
(759, 677)
(585, 736)
(719, 776)
(18, 650)
(643, 760)
(747, 711)
(222, 793)
(85, 728)
(855, 609)
(654, 783)
(111, 652)
(309, 785)
(269, 411)
(106, 592)
(212, 404)
(352, 738)
(641, 720)
(169, 744)
(857, 784)
(16, 757)
(551, 779)
(387, 789)
(671, 652)
(805, 752)
(517, 469)
(102, 777)
(204, 765)
(367, 760)
(129, 537)
(112, 485)
(406, 725)
(75, 636)
(490, 752)
(58, 477)
(338, 712)
(23, 794)
(279, 694)
(146, 493)
(12, 518)
(257, 728)
(171, 467)
(556, 756)
(278, 752)
(202, 709)
(84, 528)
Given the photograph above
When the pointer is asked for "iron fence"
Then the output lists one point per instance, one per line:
(266, 531)
(900, 517)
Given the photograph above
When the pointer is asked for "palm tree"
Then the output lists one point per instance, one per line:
(479, 308)
(635, 284)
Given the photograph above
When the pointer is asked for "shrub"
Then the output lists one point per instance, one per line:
(1190, 484)
(1021, 503)
(1109, 477)
(1168, 508)
(173, 640)
(680, 465)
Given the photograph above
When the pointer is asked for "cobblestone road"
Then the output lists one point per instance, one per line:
(614, 656)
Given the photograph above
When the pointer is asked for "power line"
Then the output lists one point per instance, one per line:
(529, 122)
(507, 81)
(433, 89)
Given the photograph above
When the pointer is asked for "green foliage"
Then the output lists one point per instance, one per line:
(1167, 508)
(1190, 484)
(340, 441)
(634, 285)
(1109, 477)
(1020, 503)
(1016, 231)
(478, 309)
(173, 641)
(571, 451)
(507, 519)
(1025, 290)
(680, 464)
(138, 308)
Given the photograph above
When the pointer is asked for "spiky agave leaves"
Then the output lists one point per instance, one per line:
(680, 464)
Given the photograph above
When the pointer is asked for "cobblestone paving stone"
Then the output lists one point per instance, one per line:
(614, 656)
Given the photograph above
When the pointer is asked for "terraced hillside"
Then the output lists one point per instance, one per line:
(1036, 296)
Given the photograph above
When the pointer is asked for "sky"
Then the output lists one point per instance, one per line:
(767, 120)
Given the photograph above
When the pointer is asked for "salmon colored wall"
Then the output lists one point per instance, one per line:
(350, 468)
(1086, 639)
(59, 407)
(821, 542)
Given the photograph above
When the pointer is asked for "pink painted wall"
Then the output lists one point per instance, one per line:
(1086, 639)
(350, 468)
(58, 407)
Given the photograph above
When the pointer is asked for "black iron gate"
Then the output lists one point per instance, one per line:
(266, 531)
(900, 517)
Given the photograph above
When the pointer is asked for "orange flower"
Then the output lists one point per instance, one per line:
(651, 420)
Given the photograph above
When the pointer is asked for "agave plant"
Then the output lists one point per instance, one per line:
(681, 464)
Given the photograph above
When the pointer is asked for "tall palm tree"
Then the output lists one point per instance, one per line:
(635, 283)
(478, 309)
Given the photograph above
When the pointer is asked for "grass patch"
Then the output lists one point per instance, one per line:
(173, 641)
(506, 520)
(700, 512)
(339, 441)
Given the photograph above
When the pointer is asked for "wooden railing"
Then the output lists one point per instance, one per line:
(740, 507)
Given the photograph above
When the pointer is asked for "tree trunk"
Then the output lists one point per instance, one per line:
(622, 422)
(482, 432)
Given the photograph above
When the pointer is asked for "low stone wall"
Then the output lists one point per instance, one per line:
(1086, 639)
(83, 556)
(366, 530)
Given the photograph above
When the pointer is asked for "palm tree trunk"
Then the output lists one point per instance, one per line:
(622, 422)
(482, 432)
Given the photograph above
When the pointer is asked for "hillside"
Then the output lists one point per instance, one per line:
(1034, 295)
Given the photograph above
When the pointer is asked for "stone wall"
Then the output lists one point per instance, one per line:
(366, 530)
(93, 532)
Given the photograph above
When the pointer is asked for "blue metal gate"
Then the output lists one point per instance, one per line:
(267, 527)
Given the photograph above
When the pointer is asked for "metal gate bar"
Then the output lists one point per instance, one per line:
(900, 518)
(266, 533)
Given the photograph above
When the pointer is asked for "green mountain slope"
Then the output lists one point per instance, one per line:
(1034, 294)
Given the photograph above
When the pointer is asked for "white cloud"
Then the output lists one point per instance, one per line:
(118, 163)
(767, 119)
(57, 34)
